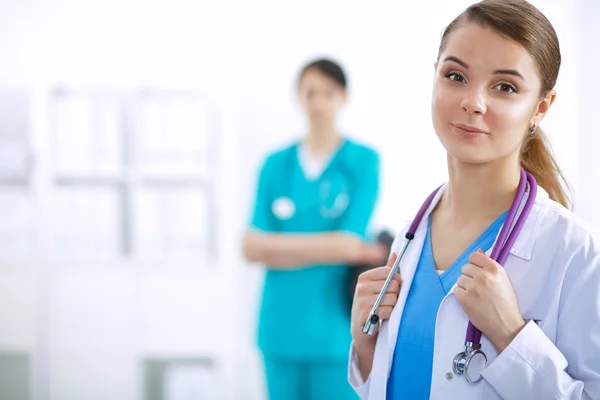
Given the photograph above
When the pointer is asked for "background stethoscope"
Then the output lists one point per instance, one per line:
(472, 360)
(334, 195)
(333, 209)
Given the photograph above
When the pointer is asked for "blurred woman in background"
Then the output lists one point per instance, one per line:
(313, 204)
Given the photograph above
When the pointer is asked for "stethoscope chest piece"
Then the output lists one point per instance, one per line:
(470, 363)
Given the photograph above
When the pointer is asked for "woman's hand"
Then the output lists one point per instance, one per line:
(368, 287)
(485, 293)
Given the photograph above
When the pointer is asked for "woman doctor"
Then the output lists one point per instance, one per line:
(539, 314)
(314, 202)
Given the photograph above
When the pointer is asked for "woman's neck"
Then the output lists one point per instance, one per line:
(322, 140)
(478, 192)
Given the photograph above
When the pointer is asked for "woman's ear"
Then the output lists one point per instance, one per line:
(543, 107)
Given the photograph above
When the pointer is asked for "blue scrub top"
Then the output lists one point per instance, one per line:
(410, 377)
(304, 312)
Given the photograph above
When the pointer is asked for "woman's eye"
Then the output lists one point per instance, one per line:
(506, 87)
(455, 77)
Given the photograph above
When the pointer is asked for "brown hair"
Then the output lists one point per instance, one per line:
(522, 22)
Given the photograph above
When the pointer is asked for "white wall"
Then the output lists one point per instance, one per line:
(100, 320)
(587, 118)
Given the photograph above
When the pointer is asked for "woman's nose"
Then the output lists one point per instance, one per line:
(474, 103)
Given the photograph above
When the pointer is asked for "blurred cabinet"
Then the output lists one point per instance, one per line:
(18, 244)
(133, 175)
(90, 180)
(130, 181)
(16, 204)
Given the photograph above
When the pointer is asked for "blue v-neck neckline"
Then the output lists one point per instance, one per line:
(332, 160)
(486, 239)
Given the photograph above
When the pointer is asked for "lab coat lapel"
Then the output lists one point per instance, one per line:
(408, 267)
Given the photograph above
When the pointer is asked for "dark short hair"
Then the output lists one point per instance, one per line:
(327, 67)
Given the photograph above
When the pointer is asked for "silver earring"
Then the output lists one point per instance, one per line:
(532, 129)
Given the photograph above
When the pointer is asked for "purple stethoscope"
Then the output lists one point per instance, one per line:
(472, 360)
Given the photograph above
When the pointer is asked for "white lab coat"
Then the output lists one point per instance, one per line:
(554, 267)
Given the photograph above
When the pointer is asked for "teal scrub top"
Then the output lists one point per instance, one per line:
(304, 312)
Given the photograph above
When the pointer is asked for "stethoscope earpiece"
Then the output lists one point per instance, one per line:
(370, 324)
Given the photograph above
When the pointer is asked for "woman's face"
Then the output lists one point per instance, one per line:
(486, 95)
(320, 97)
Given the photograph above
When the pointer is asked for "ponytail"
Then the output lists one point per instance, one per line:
(538, 159)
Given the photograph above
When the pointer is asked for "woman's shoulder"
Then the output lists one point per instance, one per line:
(568, 233)
(279, 155)
(358, 149)
(560, 217)
(360, 158)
